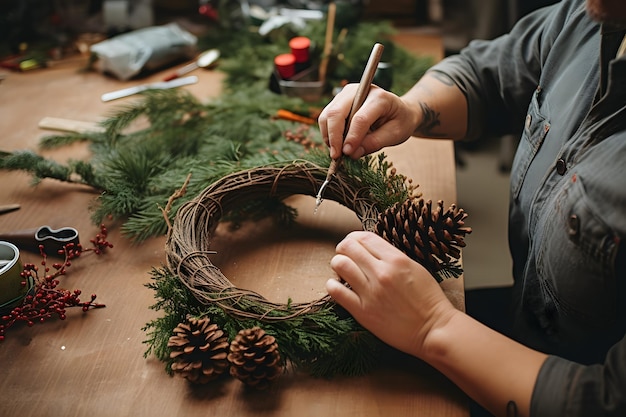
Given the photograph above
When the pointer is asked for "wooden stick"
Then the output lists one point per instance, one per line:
(67, 125)
(328, 41)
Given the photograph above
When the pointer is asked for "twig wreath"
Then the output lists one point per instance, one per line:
(188, 247)
(212, 325)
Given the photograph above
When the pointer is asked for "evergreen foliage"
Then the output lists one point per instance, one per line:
(323, 343)
(150, 146)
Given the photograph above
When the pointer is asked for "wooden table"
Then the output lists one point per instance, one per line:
(93, 364)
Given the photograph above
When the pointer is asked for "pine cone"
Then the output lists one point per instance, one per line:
(199, 350)
(254, 358)
(432, 238)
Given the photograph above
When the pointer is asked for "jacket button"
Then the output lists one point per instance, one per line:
(529, 120)
(573, 224)
(561, 166)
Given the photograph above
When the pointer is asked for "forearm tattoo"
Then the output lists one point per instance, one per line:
(430, 121)
(431, 118)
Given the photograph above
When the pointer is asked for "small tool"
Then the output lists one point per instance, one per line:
(52, 239)
(204, 60)
(161, 85)
(361, 94)
(9, 208)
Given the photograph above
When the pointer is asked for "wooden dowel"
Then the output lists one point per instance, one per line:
(328, 41)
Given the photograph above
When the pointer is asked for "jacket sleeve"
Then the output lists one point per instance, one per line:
(569, 389)
(498, 77)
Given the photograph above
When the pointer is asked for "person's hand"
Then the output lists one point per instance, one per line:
(391, 295)
(383, 120)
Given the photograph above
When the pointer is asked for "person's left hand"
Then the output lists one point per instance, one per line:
(390, 294)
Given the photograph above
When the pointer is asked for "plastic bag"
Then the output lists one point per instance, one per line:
(126, 55)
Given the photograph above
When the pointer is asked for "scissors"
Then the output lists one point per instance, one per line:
(52, 240)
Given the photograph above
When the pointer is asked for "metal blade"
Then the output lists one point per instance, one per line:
(161, 85)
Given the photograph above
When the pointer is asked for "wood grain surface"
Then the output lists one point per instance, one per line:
(93, 365)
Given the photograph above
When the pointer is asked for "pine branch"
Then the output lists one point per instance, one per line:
(138, 165)
(175, 301)
(356, 353)
(77, 172)
(57, 141)
(325, 342)
(36, 165)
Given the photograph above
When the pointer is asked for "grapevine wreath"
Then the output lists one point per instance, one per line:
(215, 326)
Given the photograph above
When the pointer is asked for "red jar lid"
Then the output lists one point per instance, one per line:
(285, 65)
(300, 48)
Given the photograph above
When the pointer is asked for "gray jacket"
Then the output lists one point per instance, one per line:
(568, 195)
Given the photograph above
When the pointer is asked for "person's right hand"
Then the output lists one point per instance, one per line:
(383, 120)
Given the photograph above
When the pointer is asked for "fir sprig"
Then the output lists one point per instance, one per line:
(79, 172)
(323, 343)
(151, 145)
(57, 141)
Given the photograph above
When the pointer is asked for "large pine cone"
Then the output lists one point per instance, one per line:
(254, 358)
(430, 237)
(199, 350)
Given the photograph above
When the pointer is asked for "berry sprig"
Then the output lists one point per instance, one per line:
(45, 300)
(301, 135)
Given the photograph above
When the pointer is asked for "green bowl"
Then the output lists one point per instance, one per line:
(12, 291)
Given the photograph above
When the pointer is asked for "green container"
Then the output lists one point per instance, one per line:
(12, 291)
